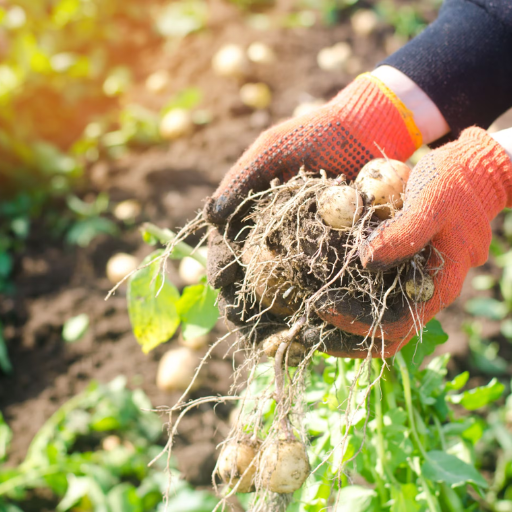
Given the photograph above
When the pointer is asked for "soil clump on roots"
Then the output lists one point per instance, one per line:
(293, 254)
(296, 265)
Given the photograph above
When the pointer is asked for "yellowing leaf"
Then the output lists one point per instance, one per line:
(152, 305)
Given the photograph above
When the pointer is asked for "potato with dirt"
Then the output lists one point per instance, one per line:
(237, 464)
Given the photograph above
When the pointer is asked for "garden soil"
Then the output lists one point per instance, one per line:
(55, 281)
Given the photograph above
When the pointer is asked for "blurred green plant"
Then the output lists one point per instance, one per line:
(406, 445)
(93, 455)
(88, 223)
(407, 19)
(494, 306)
(64, 66)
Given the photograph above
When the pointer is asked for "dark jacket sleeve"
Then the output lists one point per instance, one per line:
(463, 62)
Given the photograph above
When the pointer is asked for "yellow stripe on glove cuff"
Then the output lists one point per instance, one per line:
(405, 113)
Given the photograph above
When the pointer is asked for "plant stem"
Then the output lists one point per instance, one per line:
(379, 416)
(287, 338)
(404, 372)
(439, 428)
(432, 501)
(433, 504)
(165, 236)
(381, 449)
(451, 499)
(387, 382)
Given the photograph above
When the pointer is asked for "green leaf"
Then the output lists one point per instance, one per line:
(117, 82)
(192, 500)
(187, 99)
(5, 362)
(75, 328)
(80, 487)
(445, 468)
(85, 231)
(404, 498)
(178, 19)
(480, 396)
(148, 237)
(124, 498)
(487, 307)
(475, 431)
(197, 310)
(5, 437)
(506, 284)
(5, 264)
(418, 348)
(152, 305)
(506, 328)
(355, 498)
(483, 282)
(458, 382)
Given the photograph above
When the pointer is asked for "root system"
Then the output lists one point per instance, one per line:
(294, 266)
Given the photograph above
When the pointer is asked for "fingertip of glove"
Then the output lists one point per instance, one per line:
(372, 251)
(222, 268)
(213, 210)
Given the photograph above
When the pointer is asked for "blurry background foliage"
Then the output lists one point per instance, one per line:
(93, 454)
(66, 66)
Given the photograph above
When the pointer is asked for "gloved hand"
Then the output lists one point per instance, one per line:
(451, 197)
(340, 137)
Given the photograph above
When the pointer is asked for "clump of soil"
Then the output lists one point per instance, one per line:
(295, 265)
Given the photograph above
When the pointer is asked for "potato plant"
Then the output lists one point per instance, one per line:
(395, 435)
(405, 439)
(93, 454)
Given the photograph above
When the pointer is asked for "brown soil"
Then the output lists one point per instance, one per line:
(55, 282)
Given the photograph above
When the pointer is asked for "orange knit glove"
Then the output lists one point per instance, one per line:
(339, 137)
(451, 197)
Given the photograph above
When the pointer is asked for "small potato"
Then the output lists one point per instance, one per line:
(340, 206)
(257, 95)
(127, 210)
(190, 270)
(234, 460)
(383, 182)
(420, 289)
(176, 123)
(110, 443)
(271, 285)
(230, 61)
(196, 343)
(158, 81)
(261, 53)
(296, 351)
(284, 466)
(176, 370)
(334, 57)
(119, 266)
(364, 22)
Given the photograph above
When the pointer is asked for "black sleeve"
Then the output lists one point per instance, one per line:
(463, 62)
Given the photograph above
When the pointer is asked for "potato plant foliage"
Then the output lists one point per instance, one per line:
(405, 446)
(93, 455)
(411, 440)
